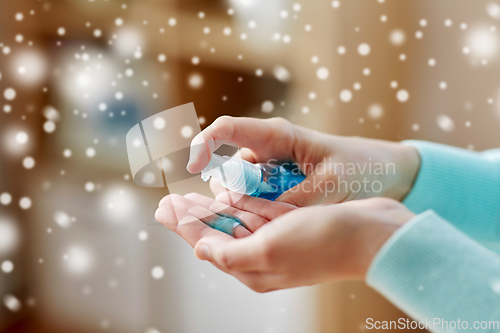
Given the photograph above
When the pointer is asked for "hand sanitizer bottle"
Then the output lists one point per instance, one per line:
(266, 181)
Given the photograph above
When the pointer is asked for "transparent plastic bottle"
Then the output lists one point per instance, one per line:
(261, 180)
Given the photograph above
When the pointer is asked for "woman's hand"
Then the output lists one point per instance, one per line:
(308, 245)
(338, 169)
(300, 247)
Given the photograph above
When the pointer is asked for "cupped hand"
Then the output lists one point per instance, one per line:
(338, 169)
(302, 246)
(309, 245)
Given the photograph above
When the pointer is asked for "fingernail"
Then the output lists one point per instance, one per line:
(157, 215)
(192, 157)
(189, 163)
(203, 252)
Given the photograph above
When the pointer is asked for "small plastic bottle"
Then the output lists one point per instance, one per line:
(261, 180)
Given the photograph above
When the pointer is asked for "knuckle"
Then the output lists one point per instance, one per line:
(269, 254)
(279, 121)
(191, 195)
(221, 196)
(260, 290)
(225, 261)
(222, 121)
(329, 172)
(222, 128)
(297, 200)
(216, 187)
(385, 202)
(256, 285)
(333, 178)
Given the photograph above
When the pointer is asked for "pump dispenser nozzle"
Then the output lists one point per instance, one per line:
(233, 173)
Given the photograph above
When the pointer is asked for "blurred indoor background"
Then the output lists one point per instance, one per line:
(80, 250)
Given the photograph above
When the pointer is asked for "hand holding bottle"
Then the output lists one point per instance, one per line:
(338, 169)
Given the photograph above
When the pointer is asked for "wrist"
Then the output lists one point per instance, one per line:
(408, 166)
(373, 247)
(378, 230)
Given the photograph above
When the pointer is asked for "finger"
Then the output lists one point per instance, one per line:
(271, 138)
(165, 200)
(265, 208)
(257, 281)
(248, 155)
(313, 190)
(261, 282)
(220, 222)
(251, 221)
(205, 215)
(243, 255)
(216, 187)
(184, 224)
(191, 221)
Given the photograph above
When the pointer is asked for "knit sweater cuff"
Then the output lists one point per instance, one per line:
(460, 185)
(430, 269)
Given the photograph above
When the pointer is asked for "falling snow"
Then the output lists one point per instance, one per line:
(157, 272)
(402, 96)
(375, 111)
(322, 73)
(364, 49)
(90, 152)
(187, 131)
(62, 219)
(7, 266)
(267, 107)
(28, 162)
(89, 187)
(397, 37)
(346, 95)
(143, 235)
(9, 94)
(12, 303)
(5, 199)
(281, 73)
(103, 76)
(445, 123)
(25, 203)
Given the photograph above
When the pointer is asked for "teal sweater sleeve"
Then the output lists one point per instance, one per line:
(461, 186)
(438, 275)
(442, 266)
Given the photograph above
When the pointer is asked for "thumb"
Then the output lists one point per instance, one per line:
(243, 254)
(200, 153)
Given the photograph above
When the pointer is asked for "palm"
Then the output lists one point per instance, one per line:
(189, 216)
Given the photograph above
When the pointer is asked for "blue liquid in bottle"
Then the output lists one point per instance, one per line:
(266, 181)
(276, 180)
